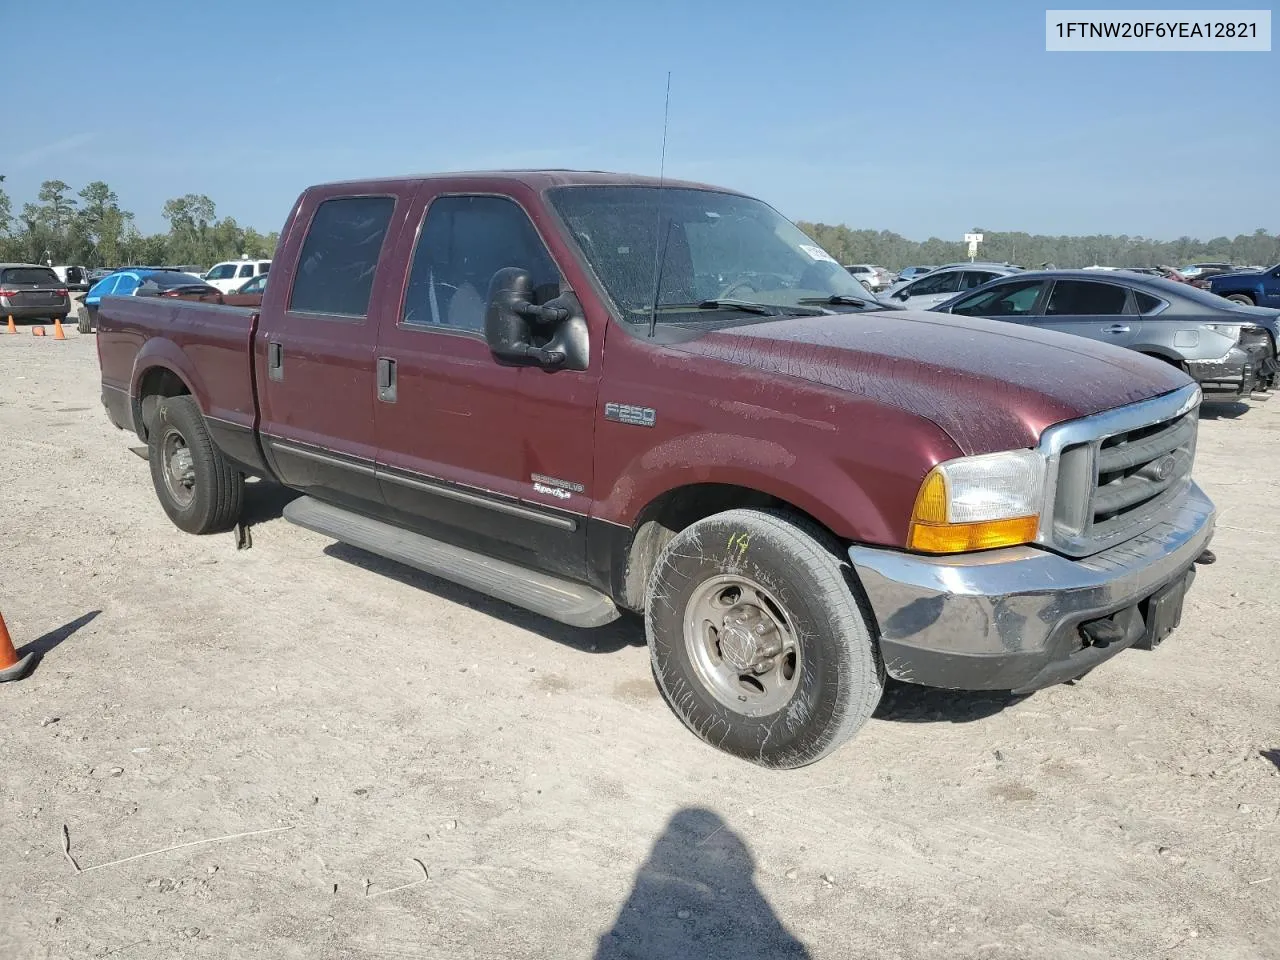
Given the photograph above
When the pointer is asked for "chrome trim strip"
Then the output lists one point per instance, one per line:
(362, 467)
(479, 500)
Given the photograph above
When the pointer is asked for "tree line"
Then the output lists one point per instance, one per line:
(88, 227)
(1032, 250)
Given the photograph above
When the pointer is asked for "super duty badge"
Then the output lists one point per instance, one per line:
(629, 413)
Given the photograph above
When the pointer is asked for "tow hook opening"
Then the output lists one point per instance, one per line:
(1101, 633)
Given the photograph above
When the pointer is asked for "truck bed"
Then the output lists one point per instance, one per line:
(208, 346)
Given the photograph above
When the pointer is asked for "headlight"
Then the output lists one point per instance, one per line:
(976, 503)
(1229, 330)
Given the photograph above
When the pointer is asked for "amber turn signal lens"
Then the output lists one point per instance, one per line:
(965, 537)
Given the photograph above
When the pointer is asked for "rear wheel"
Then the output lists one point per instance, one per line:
(84, 319)
(196, 486)
(757, 640)
(1243, 298)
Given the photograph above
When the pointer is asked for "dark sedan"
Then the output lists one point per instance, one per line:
(29, 291)
(1222, 345)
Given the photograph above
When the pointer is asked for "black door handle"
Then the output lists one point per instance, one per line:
(275, 360)
(386, 380)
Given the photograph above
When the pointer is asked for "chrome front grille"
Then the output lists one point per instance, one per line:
(1115, 474)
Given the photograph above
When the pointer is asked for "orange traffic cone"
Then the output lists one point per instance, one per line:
(37, 331)
(12, 667)
(12, 328)
(57, 329)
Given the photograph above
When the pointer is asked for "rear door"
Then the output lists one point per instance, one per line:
(1093, 309)
(492, 456)
(314, 354)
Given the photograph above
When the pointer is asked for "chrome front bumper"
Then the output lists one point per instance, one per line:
(1009, 619)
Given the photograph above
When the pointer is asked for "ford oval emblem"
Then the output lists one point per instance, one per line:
(1162, 469)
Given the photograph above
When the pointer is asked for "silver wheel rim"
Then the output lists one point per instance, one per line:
(742, 644)
(179, 468)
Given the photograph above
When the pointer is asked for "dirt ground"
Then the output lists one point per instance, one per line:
(361, 722)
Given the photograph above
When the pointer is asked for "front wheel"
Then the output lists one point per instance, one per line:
(757, 640)
(198, 488)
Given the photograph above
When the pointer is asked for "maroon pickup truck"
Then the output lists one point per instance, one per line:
(587, 393)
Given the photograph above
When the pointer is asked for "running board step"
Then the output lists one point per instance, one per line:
(564, 600)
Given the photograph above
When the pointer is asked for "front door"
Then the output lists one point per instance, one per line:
(1093, 309)
(315, 363)
(473, 451)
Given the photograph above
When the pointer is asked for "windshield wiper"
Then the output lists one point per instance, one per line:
(838, 300)
(746, 306)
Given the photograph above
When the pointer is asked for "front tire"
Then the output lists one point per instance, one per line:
(1243, 298)
(196, 486)
(757, 640)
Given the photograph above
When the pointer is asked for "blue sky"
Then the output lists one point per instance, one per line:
(926, 118)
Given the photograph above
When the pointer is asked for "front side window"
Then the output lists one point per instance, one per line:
(702, 244)
(1086, 298)
(256, 285)
(464, 241)
(340, 255)
(1005, 300)
(976, 278)
(223, 271)
(127, 283)
(948, 282)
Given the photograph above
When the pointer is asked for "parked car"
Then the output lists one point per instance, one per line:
(248, 294)
(1222, 346)
(874, 278)
(29, 291)
(907, 274)
(1251, 288)
(233, 273)
(142, 282)
(75, 279)
(801, 491)
(942, 284)
(1195, 270)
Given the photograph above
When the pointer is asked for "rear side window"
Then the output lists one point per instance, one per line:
(1147, 303)
(464, 241)
(1085, 298)
(340, 255)
(264, 267)
(247, 270)
(42, 276)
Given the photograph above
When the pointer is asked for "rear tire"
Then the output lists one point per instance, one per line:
(196, 486)
(1243, 298)
(757, 640)
(84, 319)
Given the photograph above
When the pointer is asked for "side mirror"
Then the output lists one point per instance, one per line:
(551, 335)
(902, 295)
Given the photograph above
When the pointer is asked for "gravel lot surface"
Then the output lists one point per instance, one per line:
(362, 723)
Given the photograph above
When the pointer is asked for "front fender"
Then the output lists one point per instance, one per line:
(818, 484)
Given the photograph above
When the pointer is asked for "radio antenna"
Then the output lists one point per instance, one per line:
(659, 241)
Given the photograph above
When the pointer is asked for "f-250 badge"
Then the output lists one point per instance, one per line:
(629, 413)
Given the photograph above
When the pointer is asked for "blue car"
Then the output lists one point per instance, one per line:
(143, 282)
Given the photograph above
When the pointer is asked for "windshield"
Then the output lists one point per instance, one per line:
(708, 245)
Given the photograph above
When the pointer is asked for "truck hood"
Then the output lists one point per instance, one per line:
(990, 385)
